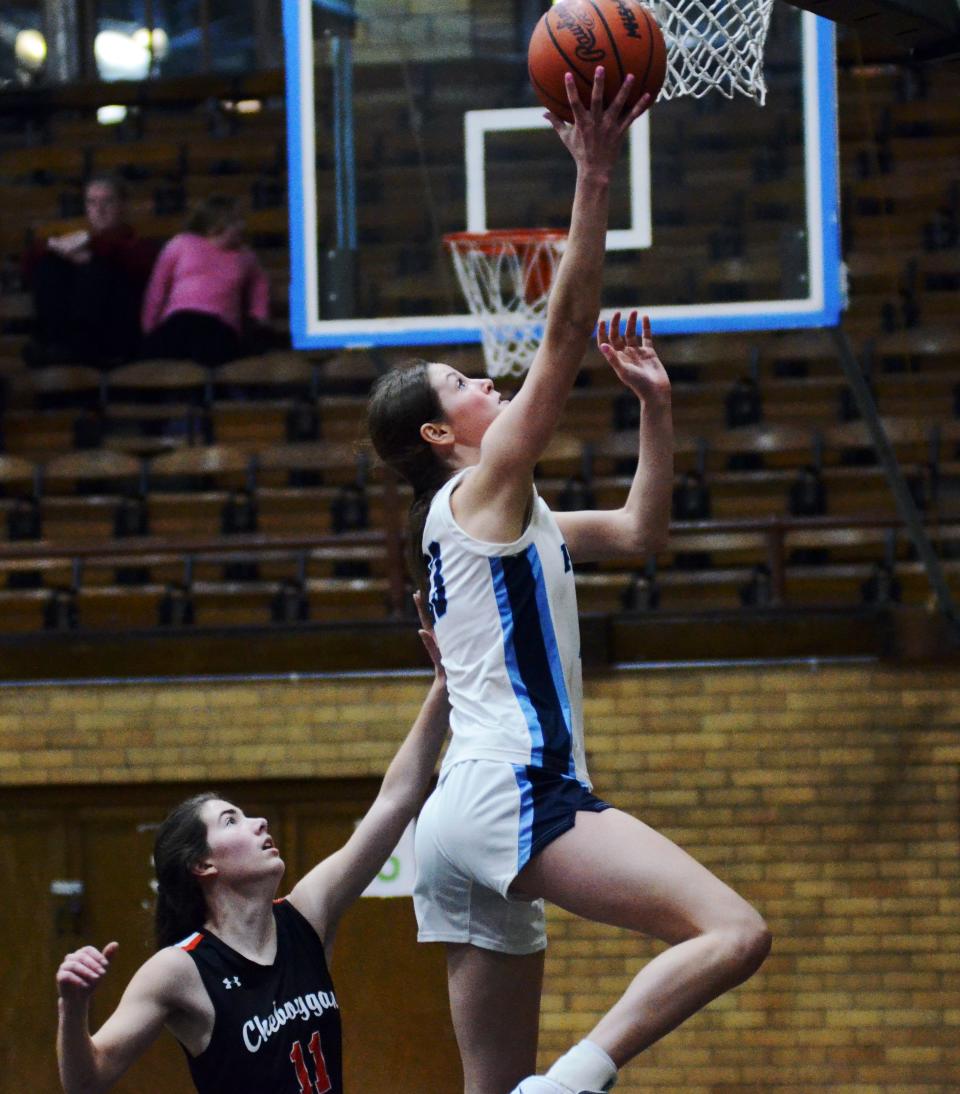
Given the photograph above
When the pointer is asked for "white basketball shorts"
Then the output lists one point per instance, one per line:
(480, 827)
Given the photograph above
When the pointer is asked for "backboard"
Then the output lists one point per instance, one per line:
(724, 214)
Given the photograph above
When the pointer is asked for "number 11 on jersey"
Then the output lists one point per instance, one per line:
(322, 1083)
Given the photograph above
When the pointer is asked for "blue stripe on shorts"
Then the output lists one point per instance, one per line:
(549, 804)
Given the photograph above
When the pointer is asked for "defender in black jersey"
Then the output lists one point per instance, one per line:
(240, 978)
(278, 1025)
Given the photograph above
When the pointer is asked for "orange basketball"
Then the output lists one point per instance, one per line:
(577, 35)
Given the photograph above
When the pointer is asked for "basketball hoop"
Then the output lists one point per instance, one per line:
(506, 277)
(714, 44)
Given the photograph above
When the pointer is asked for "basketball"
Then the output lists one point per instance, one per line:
(577, 35)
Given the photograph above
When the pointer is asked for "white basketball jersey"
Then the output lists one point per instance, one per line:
(505, 618)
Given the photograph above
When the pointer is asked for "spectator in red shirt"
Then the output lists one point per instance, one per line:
(88, 285)
(208, 299)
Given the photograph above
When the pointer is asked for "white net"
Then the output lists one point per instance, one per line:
(506, 279)
(714, 44)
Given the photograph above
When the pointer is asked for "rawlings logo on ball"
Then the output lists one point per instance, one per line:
(581, 27)
(578, 36)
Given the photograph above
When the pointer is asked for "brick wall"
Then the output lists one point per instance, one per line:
(828, 797)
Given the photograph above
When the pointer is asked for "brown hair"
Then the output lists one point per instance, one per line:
(400, 402)
(215, 213)
(180, 843)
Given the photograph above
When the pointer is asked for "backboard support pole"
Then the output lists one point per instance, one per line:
(906, 507)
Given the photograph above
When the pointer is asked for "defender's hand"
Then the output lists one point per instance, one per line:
(81, 971)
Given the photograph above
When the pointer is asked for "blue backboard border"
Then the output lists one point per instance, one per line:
(821, 308)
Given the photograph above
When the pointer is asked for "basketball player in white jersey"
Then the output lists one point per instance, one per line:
(513, 819)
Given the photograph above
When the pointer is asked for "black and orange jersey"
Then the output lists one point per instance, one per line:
(276, 1027)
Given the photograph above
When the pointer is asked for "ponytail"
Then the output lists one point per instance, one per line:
(181, 842)
(400, 402)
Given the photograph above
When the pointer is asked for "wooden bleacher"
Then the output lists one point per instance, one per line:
(896, 179)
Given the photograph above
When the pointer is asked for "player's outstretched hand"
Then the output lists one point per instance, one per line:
(634, 359)
(597, 132)
(428, 638)
(81, 971)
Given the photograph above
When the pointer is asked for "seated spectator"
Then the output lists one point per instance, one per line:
(208, 298)
(88, 285)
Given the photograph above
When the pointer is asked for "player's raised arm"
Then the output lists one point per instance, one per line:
(642, 523)
(324, 894)
(519, 436)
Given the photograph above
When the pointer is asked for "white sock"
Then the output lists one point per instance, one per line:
(585, 1067)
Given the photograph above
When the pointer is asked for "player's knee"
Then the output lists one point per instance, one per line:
(746, 941)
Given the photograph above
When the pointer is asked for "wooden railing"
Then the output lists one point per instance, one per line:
(770, 536)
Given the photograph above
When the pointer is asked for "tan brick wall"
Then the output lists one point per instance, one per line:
(828, 797)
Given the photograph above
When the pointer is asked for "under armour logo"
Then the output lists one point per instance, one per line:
(229, 982)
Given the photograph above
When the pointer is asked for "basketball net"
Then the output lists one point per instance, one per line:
(506, 275)
(506, 278)
(714, 44)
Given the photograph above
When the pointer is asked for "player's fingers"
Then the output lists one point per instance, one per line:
(615, 338)
(93, 952)
(557, 122)
(93, 964)
(612, 357)
(80, 971)
(631, 333)
(619, 102)
(596, 92)
(573, 98)
(641, 106)
(110, 949)
(89, 955)
(601, 332)
(647, 333)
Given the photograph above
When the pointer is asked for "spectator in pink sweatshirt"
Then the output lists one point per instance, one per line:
(208, 297)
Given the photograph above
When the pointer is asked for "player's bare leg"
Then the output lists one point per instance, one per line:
(495, 1004)
(614, 869)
